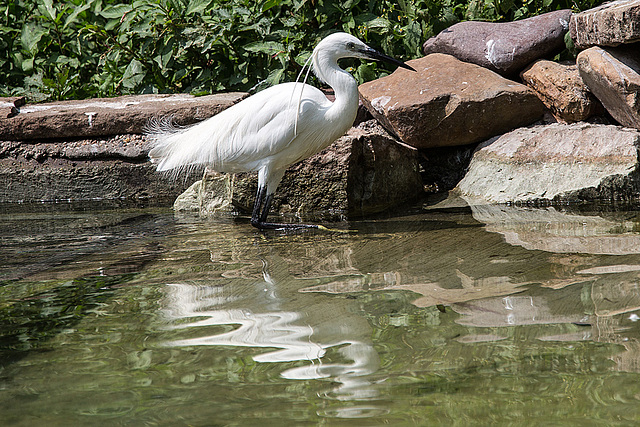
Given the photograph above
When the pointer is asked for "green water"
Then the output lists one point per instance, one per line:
(505, 316)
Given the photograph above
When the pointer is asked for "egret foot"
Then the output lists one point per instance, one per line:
(260, 212)
(284, 226)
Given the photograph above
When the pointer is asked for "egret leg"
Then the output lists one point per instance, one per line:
(259, 216)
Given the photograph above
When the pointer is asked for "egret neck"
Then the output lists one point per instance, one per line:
(345, 107)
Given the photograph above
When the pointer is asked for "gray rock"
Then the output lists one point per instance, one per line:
(613, 75)
(505, 48)
(561, 89)
(109, 116)
(555, 163)
(104, 168)
(364, 172)
(61, 179)
(213, 193)
(610, 24)
(448, 102)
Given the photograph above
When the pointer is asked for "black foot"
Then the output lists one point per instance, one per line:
(263, 225)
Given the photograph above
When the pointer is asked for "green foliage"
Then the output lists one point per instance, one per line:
(87, 48)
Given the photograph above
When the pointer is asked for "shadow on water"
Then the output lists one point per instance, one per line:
(468, 316)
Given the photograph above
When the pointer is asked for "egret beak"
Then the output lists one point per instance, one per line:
(377, 56)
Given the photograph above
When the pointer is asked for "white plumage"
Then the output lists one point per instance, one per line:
(272, 129)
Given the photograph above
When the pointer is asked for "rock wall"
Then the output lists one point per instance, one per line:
(92, 149)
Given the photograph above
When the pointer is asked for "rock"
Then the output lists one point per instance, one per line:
(613, 75)
(58, 179)
(610, 24)
(505, 48)
(561, 89)
(448, 102)
(9, 107)
(364, 172)
(109, 116)
(105, 168)
(213, 193)
(133, 148)
(555, 163)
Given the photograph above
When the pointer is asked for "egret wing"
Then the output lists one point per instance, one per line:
(240, 137)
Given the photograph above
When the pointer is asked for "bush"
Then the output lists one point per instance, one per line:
(99, 48)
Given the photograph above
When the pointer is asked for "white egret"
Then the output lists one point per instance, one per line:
(273, 129)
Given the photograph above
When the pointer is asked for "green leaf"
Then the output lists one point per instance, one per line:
(78, 10)
(275, 76)
(196, 6)
(365, 72)
(270, 48)
(269, 4)
(116, 11)
(134, 74)
(31, 35)
(370, 20)
(51, 11)
(164, 57)
(27, 65)
(413, 37)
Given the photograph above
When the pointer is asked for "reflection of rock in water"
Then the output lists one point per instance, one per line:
(432, 293)
(602, 311)
(514, 310)
(554, 231)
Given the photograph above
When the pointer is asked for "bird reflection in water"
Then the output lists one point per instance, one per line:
(190, 306)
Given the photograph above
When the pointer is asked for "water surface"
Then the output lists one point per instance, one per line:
(137, 316)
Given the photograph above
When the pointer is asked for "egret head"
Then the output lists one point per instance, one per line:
(342, 45)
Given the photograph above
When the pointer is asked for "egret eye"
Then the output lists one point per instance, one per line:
(351, 46)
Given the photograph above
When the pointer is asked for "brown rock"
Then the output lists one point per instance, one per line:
(364, 172)
(109, 116)
(9, 107)
(610, 24)
(613, 76)
(448, 102)
(561, 89)
(505, 48)
(126, 147)
(555, 163)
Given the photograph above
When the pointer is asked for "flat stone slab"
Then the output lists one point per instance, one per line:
(613, 75)
(87, 169)
(556, 163)
(124, 147)
(109, 116)
(507, 47)
(63, 180)
(610, 24)
(447, 102)
(364, 172)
